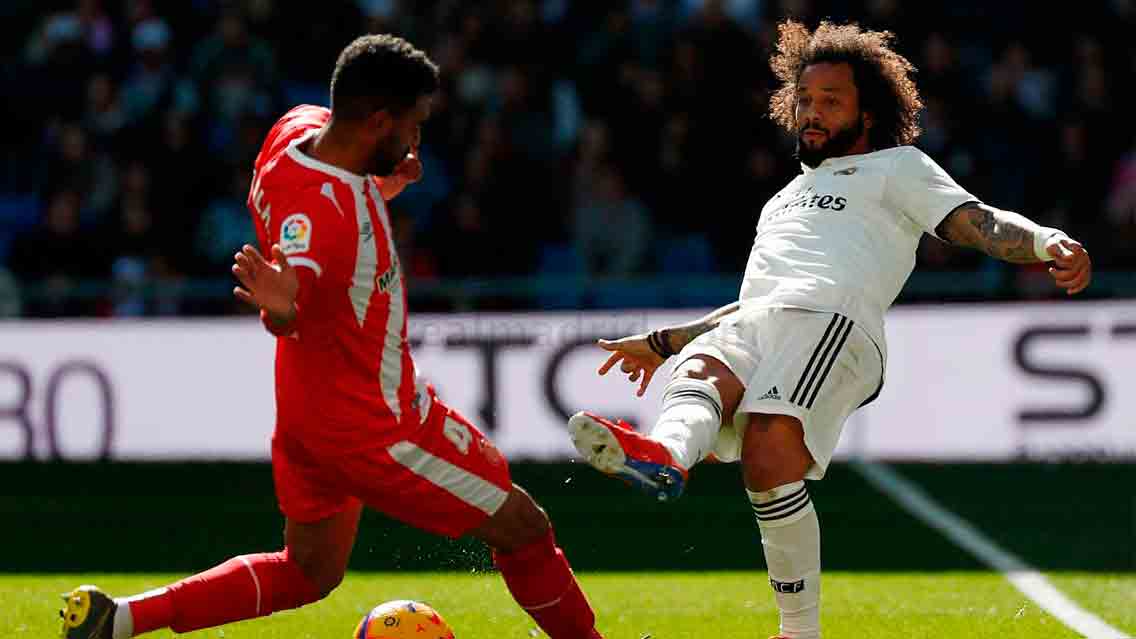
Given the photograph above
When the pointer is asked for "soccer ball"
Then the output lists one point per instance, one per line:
(401, 620)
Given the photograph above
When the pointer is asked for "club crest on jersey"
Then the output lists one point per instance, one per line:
(296, 233)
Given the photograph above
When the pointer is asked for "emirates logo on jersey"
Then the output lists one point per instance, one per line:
(810, 199)
(817, 201)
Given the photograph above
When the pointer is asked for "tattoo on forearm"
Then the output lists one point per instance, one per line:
(679, 336)
(1001, 234)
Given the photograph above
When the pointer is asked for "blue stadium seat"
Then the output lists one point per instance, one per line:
(699, 293)
(560, 261)
(305, 93)
(622, 294)
(19, 212)
(685, 255)
(685, 260)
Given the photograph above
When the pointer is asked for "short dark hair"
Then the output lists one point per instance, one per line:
(882, 77)
(380, 71)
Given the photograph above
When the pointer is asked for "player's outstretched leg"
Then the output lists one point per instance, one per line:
(693, 409)
(615, 448)
(242, 588)
(535, 568)
(311, 566)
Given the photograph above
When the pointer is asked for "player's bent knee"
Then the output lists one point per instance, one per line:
(329, 582)
(325, 582)
(526, 520)
(763, 472)
(704, 368)
(519, 522)
(774, 452)
(324, 576)
(321, 549)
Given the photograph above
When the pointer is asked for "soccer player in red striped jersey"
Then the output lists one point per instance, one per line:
(355, 426)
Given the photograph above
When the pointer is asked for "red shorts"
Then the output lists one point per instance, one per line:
(443, 477)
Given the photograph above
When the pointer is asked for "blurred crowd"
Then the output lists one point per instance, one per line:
(608, 139)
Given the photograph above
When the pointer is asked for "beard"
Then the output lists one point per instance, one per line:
(385, 161)
(835, 145)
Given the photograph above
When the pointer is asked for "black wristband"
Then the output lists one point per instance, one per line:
(665, 343)
(653, 342)
(658, 344)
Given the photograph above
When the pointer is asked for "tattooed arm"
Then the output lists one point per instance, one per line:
(1011, 237)
(677, 337)
(1001, 234)
(642, 354)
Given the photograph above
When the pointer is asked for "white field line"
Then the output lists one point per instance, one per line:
(1023, 576)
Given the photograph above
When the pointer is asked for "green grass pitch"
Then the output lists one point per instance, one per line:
(690, 569)
(631, 605)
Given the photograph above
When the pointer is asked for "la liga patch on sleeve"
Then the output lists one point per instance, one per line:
(296, 234)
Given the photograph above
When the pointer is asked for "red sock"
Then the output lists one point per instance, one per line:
(540, 579)
(242, 588)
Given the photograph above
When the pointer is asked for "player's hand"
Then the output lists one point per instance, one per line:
(406, 173)
(1072, 269)
(637, 357)
(272, 286)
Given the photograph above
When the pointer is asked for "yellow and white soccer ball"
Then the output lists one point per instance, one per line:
(403, 619)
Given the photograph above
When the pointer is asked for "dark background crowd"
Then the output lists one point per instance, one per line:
(582, 154)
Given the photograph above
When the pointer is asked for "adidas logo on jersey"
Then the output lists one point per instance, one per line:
(772, 393)
(849, 171)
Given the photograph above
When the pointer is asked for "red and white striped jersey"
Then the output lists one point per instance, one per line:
(344, 374)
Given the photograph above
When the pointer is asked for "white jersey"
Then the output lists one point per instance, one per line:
(842, 237)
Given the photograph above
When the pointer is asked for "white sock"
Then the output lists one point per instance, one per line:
(691, 418)
(123, 620)
(790, 538)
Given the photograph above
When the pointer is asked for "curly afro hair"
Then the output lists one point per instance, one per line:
(882, 77)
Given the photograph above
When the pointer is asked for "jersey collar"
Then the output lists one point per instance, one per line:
(834, 162)
(308, 161)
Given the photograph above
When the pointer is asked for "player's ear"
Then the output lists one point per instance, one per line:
(867, 119)
(381, 122)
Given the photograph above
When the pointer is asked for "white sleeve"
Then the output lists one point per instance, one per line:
(920, 189)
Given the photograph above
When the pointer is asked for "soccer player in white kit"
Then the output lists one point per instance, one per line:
(770, 379)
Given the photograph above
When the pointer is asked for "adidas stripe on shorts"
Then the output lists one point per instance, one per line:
(816, 366)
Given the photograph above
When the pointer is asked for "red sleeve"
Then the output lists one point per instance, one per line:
(311, 233)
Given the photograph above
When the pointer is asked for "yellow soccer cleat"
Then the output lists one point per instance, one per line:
(88, 613)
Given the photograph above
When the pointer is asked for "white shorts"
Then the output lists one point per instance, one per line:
(818, 367)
